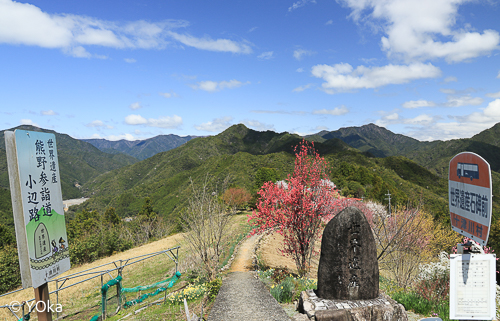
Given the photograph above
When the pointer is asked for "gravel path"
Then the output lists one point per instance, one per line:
(243, 296)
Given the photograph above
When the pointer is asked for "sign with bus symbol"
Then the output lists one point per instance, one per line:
(469, 196)
(468, 170)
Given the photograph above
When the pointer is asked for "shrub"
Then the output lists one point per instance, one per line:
(213, 288)
(434, 280)
(10, 273)
(280, 274)
(283, 292)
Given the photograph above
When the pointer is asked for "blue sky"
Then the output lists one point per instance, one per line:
(429, 69)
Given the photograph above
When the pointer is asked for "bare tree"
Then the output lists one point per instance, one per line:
(402, 238)
(206, 219)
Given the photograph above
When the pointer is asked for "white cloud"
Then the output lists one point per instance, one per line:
(418, 103)
(337, 111)
(395, 118)
(134, 106)
(165, 122)
(130, 60)
(450, 79)
(28, 122)
(451, 91)
(329, 22)
(448, 91)
(266, 55)
(252, 29)
(498, 76)
(257, 125)
(463, 126)
(162, 122)
(128, 137)
(212, 86)
(463, 101)
(135, 120)
(26, 24)
(217, 125)
(420, 120)
(98, 124)
(302, 88)
(342, 77)
(169, 95)
(412, 29)
(490, 115)
(320, 128)
(49, 112)
(428, 127)
(300, 70)
(493, 95)
(451, 101)
(207, 43)
(299, 53)
(299, 4)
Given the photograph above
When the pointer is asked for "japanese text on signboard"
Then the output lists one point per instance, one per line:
(39, 183)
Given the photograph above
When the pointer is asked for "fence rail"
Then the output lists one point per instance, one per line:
(119, 265)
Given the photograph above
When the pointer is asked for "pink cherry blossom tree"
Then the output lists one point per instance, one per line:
(298, 207)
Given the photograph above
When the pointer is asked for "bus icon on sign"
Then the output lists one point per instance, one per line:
(467, 170)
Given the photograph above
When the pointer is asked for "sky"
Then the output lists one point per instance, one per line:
(428, 69)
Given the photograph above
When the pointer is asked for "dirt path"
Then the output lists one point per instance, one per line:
(243, 260)
(242, 296)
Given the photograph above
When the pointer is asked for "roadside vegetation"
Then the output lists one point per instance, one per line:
(170, 197)
(82, 301)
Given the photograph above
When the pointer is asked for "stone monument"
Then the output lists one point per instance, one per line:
(348, 266)
(348, 275)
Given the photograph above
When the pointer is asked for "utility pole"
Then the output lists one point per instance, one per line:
(389, 199)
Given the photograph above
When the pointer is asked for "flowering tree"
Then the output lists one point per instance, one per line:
(297, 207)
(236, 197)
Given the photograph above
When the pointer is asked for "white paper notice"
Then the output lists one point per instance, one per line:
(472, 288)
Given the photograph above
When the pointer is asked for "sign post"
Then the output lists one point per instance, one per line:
(470, 196)
(472, 276)
(38, 211)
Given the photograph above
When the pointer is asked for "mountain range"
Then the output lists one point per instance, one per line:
(140, 149)
(367, 161)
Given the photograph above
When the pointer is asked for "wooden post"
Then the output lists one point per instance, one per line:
(42, 310)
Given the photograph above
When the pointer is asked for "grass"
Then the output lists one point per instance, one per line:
(82, 301)
(414, 302)
(284, 286)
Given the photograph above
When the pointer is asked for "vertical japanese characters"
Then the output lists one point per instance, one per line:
(39, 183)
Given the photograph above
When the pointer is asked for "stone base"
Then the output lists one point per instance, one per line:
(381, 308)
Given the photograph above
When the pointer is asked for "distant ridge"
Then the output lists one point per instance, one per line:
(141, 149)
(373, 139)
(79, 161)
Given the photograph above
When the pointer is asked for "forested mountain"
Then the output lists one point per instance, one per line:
(418, 171)
(434, 156)
(240, 152)
(371, 138)
(79, 161)
(140, 149)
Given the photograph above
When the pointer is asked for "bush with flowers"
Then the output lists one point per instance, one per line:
(285, 288)
(433, 281)
(191, 292)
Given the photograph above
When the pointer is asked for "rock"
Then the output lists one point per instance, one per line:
(380, 308)
(348, 266)
(300, 317)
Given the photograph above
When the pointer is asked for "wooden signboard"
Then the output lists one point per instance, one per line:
(37, 205)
